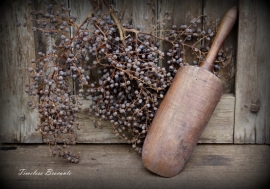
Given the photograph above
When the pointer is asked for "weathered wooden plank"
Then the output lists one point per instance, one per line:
(218, 130)
(220, 126)
(17, 49)
(89, 133)
(180, 12)
(82, 9)
(215, 10)
(252, 77)
(140, 13)
(129, 12)
(118, 166)
(42, 43)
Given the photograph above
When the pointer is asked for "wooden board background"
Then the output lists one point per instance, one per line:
(17, 123)
(218, 130)
(252, 77)
(118, 166)
(214, 10)
(232, 120)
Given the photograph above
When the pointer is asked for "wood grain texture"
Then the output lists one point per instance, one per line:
(252, 77)
(91, 134)
(218, 130)
(88, 132)
(140, 13)
(252, 80)
(221, 125)
(82, 9)
(182, 12)
(180, 120)
(17, 123)
(215, 10)
(118, 166)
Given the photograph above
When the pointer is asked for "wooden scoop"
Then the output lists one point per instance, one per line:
(185, 111)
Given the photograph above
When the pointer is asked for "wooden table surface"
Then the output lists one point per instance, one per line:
(118, 166)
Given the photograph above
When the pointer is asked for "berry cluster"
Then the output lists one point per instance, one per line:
(131, 83)
(186, 39)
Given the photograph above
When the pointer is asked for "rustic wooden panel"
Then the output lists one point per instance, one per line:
(128, 12)
(218, 130)
(17, 49)
(88, 133)
(41, 44)
(91, 134)
(220, 126)
(118, 166)
(140, 13)
(14, 66)
(82, 9)
(252, 77)
(181, 12)
(215, 10)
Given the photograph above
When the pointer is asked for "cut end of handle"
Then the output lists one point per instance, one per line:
(232, 12)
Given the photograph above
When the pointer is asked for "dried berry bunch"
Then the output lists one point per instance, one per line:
(131, 83)
(192, 39)
(51, 80)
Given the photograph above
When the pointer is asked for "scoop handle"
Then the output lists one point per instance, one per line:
(223, 31)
